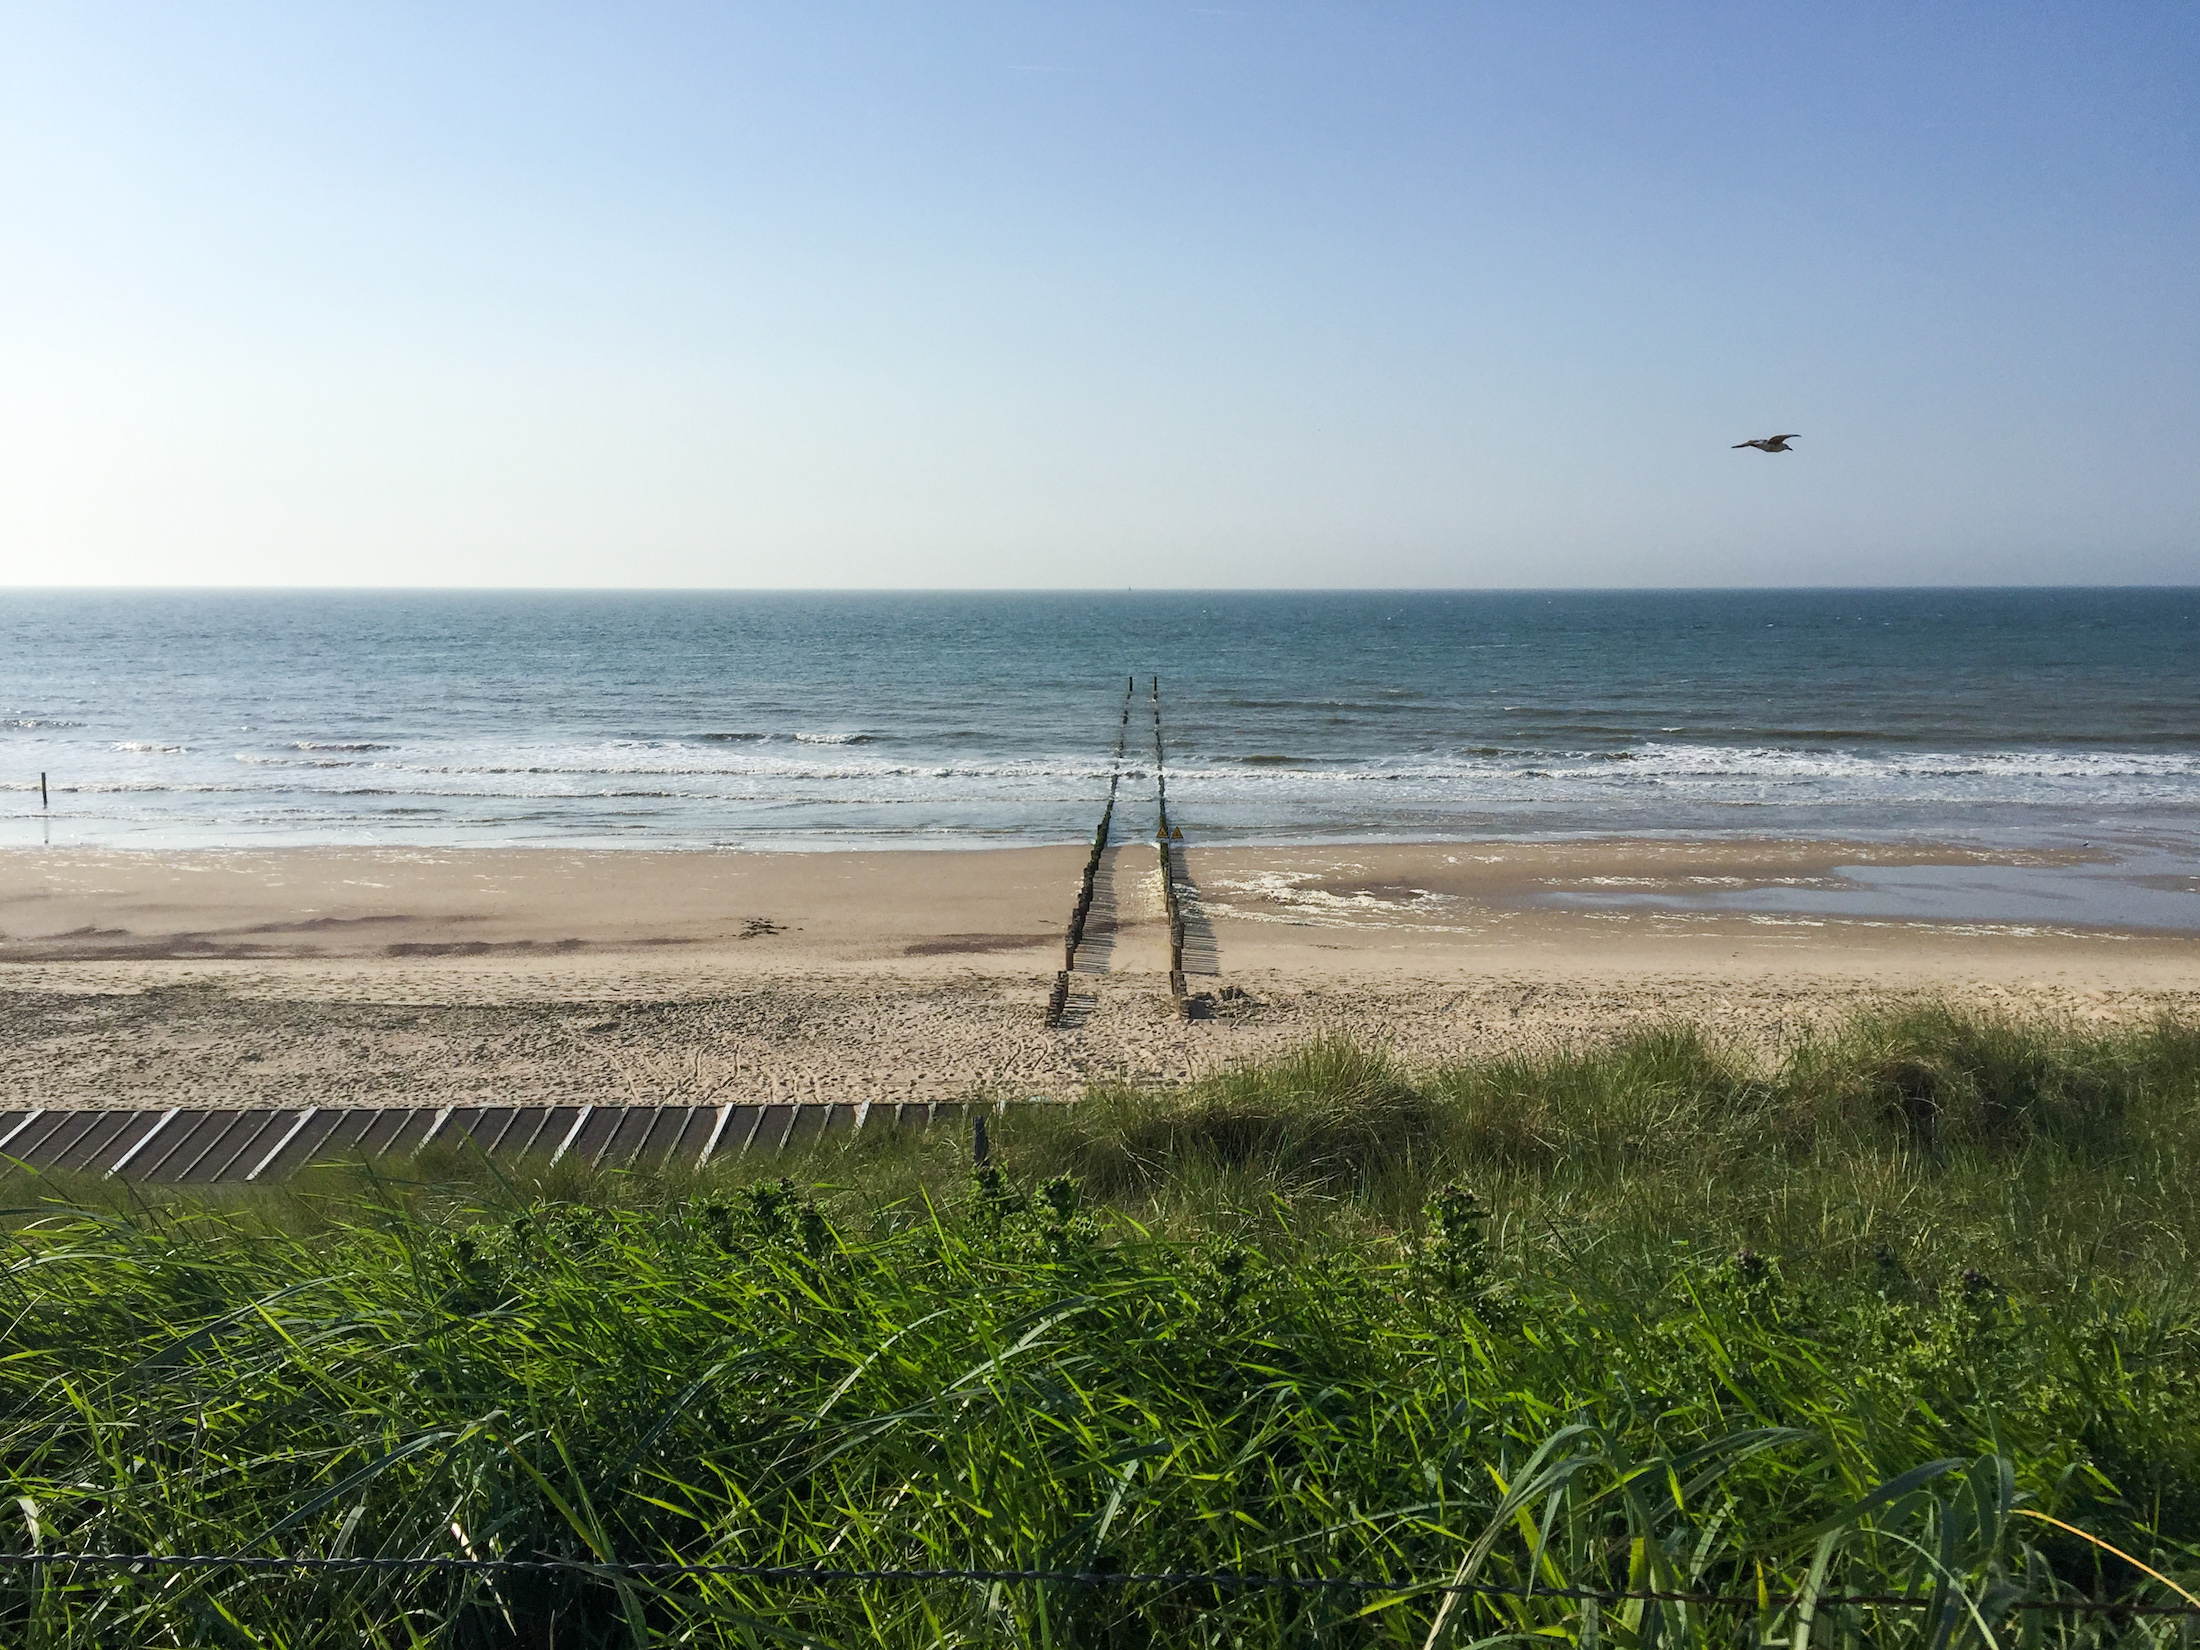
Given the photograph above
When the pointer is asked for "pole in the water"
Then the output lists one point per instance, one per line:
(42, 801)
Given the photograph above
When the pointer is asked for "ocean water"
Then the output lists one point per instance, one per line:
(692, 720)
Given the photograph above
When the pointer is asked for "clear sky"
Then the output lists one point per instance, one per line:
(1090, 294)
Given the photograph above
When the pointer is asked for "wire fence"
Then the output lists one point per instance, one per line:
(1219, 1580)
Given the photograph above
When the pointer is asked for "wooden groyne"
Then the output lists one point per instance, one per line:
(1163, 836)
(1167, 837)
(1081, 911)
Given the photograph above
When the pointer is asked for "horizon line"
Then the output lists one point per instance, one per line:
(1052, 590)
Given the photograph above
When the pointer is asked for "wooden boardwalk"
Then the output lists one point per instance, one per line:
(204, 1145)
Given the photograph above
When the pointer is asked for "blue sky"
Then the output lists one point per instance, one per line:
(1098, 295)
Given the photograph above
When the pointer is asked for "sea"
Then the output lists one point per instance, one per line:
(2057, 719)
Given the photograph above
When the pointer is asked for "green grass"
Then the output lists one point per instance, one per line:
(1645, 1316)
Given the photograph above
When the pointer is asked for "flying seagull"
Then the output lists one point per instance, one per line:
(1770, 443)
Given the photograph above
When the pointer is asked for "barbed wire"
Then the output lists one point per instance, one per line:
(1238, 1580)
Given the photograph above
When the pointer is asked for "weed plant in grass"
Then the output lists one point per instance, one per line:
(1636, 1318)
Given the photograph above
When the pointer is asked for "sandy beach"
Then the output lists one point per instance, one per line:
(425, 975)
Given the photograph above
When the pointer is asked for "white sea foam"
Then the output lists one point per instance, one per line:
(1657, 775)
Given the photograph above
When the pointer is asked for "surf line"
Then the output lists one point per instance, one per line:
(1058, 998)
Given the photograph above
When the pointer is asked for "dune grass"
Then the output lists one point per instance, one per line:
(1640, 1317)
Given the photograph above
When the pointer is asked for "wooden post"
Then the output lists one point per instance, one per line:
(42, 802)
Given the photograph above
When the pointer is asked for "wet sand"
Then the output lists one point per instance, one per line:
(429, 976)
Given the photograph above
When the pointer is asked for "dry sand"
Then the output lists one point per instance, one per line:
(424, 976)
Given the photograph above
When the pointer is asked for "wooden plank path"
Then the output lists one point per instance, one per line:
(206, 1145)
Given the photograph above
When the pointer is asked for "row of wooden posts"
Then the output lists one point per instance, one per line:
(1162, 837)
(1058, 998)
(1083, 908)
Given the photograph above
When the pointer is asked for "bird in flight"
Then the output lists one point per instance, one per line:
(1770, 443)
